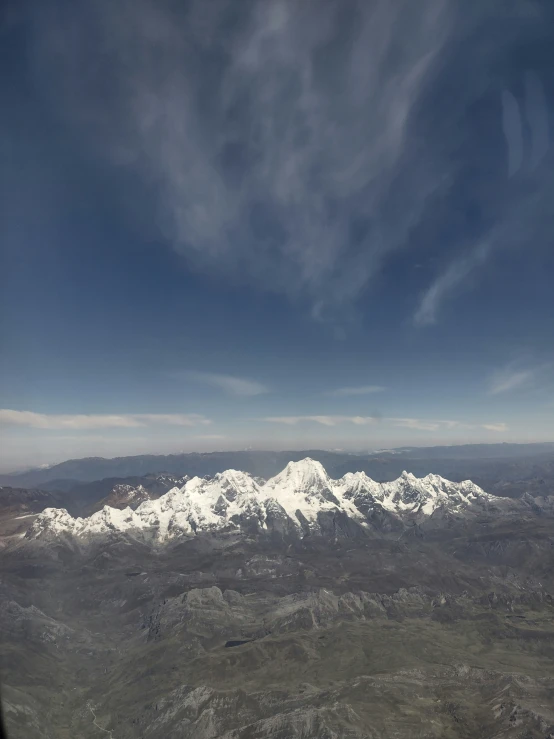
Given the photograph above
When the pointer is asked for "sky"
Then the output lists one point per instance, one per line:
(274, 224)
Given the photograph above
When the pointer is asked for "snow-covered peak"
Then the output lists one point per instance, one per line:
(302, 477)
(229, 485)
(358, 482)
(424, 495)
(297, 495)
(303, 486)
(235, 482)
(202, 505)
(55, 520)
(107, 520)
(409, 494)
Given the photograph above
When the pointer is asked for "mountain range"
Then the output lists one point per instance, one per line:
(297, 605)
(301, 500)
(504, 469)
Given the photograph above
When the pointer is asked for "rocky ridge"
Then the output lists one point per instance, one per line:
(300, 500)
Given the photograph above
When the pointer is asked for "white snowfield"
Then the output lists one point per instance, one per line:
(295, 496)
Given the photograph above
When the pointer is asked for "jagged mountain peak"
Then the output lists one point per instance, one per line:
(303, 485)
(293, 500)
(241, 482)
(230, 479)
(304, 468)
(300, 477)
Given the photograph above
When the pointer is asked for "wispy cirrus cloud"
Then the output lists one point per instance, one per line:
(510, 379)
(343, 392)
(447, 283)
(418, 424)
(287, 179)
(421, 424)
(230, 384)
(525, 373)
(330, 136)
(495, 427)
(520, 217)
(435, 425)
(322, 420)
(98, 421)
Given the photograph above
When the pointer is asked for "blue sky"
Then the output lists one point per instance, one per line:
(275, 225)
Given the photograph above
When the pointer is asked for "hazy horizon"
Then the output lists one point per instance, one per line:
(360, 451)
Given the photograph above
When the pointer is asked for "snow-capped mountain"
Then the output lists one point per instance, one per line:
(132, 495)
(409, 494)
(300, 499)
